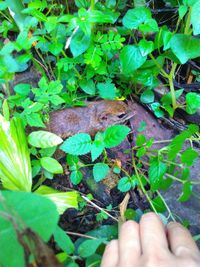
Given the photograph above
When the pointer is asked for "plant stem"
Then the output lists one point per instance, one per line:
(164, 73)
(187, 26)
(171, 85)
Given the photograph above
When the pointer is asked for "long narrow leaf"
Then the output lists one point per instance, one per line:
(15, 166)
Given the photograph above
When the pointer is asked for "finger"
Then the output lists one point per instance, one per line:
(180, 240)
(129, 244)
(152, 234)
(110, 256)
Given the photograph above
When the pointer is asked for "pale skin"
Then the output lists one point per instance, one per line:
(151, 244)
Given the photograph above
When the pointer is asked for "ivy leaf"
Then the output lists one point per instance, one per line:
(107, 90)
(114, 135)
(51, 165)
(124, 184)
(100, 170)
(44, 139)
(134, 17)
(78, 144)
(192, 102)
(195, 18)
(185, 47)
(88, 247)
(150, 25)
(186, 193)
(131, 59)
(156, 171)
(182, 10)
(189, 156)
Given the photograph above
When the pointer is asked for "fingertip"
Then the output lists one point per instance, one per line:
(111, 253)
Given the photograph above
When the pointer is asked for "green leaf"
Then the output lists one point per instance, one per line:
(114, 135)
(88, 86)
(28, 210)
(159, 204)
(62, 200)
(142, 126)
(76, 177)
(79, 43)
(157, 111)
(6, 111)
(100, 170)
(147, 96)
(51, 165)
(140, 140)
(186, 193)
(124, 184)
(185, 47)
(131, 59)
(146, 47)
(88, 247)
(195, 18)
(34, 120)
(78, 144)
(97, 146)
(157, 170)
(15, 165)
(107, 90)
(22, 89)
(134, 17)
(192, 102)
(150, 25)
(182, 10)
(63, 240)
(189, 156)
(44, 139)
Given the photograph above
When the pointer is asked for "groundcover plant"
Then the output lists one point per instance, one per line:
(61, 187)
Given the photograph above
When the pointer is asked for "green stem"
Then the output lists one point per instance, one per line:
(171, 85)
(187, 26)
(163, 72)
(92, 4)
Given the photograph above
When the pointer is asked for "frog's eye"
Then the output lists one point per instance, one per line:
(121, 116)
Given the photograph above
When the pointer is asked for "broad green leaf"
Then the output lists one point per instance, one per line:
(62, 200)
(157, 170)
(146, 47)
(186, 192)
(16, 8)
(76, 177)
(192, 102)
(131, 59)
(100, 170)
(97, 146)
(107, 90)
(124, 184)
(63, 240)
(114, 135)
(27, 210)
(51, 165)
(94, 260)
(34, 120)
(22, 89)
(150, 25)
(15, 165)
(78, 144)
(44, 139)
(79, 43)
(159, 204)
(88, 86)
(134, 17)
(140, 140)
(182, 10)
(88, 247)
(185, 47)
(189, 156)
(147, 96)
(157, 110)
(195, 18)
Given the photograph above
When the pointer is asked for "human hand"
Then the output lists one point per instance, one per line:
(150, 244)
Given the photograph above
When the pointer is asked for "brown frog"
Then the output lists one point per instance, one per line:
(96, 116)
